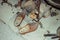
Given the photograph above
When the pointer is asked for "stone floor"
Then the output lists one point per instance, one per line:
(9, 32)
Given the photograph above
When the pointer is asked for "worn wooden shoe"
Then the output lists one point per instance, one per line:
(20, 17)
(30, 27)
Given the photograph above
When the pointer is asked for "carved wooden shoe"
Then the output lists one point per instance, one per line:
(30, 27)
(19, 19)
